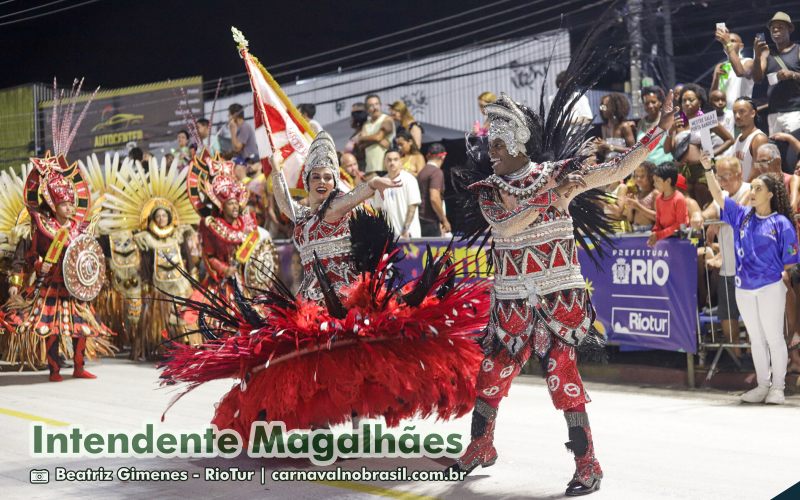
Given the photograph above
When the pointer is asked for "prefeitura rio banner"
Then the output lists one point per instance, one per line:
(646, 297)
(148, 116)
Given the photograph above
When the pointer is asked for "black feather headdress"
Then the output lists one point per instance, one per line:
(553, 137)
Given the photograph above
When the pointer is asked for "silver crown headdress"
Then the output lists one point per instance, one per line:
(322, 154)
(508, 123)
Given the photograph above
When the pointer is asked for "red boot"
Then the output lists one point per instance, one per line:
(588, 473)
(481, 449)
(79, 347)
(51, 343)
(83, 374)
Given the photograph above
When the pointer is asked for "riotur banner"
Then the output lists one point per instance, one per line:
(646, 297)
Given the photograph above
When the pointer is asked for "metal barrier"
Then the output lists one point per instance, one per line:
(713, 336)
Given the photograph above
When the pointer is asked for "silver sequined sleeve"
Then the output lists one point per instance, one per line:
(623, 165)
(348, 201)
(283, 198)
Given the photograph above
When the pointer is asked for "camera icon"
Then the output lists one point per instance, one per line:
(40, 476)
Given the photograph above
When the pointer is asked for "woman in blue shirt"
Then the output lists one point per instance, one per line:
(766, 244)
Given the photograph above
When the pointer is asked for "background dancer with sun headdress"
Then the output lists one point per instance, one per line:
(15, 226)
(68, 262)
(119, 304)
(155, 207)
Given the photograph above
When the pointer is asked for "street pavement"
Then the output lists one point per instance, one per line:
(651, 443)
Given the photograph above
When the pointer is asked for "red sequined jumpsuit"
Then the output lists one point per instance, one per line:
(539, 300)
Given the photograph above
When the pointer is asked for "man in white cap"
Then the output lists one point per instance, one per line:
(782, 69)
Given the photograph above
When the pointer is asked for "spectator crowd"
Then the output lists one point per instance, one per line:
(668, 195)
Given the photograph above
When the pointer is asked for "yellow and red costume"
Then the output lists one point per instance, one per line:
(220, 239)
(47, 314)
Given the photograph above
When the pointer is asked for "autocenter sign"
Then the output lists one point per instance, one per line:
(148, 116)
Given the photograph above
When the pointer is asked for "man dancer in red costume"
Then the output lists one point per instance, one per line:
(539, 301)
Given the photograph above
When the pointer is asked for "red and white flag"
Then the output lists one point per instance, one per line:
(279, 126)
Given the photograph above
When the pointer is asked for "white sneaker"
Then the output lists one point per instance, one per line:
(756, 395)
(775, 397)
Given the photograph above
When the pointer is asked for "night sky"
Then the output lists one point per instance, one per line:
(115, 43)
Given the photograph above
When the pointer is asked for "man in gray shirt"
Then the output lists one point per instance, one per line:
(243, 137)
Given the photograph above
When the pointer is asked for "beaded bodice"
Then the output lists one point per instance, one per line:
(331, 244)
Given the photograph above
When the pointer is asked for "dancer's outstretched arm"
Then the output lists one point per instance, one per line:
(624, 165)
(364, 191)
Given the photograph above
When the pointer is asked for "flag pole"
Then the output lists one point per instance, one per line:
(242, 45)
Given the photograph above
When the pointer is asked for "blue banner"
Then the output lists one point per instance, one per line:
(469, 261)
(646, 297)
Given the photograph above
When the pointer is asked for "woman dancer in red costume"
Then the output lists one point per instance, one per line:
(355, 341)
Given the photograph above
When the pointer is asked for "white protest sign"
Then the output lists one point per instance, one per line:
(702, 125)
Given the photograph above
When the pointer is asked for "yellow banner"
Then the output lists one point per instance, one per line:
(246, 248)
(57, 246)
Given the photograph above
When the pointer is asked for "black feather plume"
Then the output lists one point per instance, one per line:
(592, 225)
(477, 168)
(332, 301)
(371, 237)
(561, 140)
(245, 307)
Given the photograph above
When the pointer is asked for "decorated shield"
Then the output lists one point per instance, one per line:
(262, 264)
(84, 268)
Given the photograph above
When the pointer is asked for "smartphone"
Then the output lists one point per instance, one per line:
(721, 26)
(761, 37)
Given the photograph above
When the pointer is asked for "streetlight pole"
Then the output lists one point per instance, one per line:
(668, 50)
(634, 20)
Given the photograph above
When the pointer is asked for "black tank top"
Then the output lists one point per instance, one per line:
(785, 96)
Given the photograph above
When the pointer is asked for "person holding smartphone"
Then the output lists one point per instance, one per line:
(781, 67)
(733, 77)
(765, 244)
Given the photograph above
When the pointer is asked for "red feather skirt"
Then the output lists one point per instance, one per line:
(384, 359)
